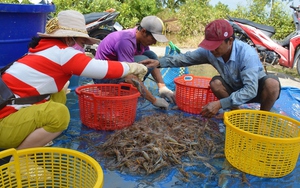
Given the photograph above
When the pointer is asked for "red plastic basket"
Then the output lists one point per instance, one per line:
(107, 106)
(193, 92)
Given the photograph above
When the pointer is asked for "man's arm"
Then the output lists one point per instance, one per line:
(199, 56)
(246, 93)
(156, 74)
(196, 57)
(163, 90)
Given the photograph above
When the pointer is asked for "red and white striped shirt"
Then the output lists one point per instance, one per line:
(49, 66)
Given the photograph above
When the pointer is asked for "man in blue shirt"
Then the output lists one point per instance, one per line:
(242, 78)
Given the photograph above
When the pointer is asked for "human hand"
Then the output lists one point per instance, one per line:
(165, 92)
(161, 103)
(211, 109)
(151, 63)
(137, 69)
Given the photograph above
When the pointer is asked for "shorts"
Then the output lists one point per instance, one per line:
(261, 84)
(53, 116)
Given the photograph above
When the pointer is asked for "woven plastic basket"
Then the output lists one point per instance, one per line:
(193, 92)
(261, 143)
(50, 167)
(107, 106)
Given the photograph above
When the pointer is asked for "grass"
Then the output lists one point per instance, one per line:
(203, 70)
(210, 71)
(288, 71)
(185, 42)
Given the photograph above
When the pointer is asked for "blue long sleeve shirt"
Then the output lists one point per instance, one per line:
(241, 72)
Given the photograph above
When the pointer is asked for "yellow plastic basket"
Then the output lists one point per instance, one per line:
(261, 143)
(50, 167)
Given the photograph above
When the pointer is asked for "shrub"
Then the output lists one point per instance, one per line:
(192, 15)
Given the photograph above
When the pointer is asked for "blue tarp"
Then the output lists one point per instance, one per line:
(84, 139)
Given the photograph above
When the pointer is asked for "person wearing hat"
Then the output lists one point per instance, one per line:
(52, 59)
(132, 45)
(242, 77)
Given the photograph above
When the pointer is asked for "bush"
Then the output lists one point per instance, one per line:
(192, 15)
(86, 6)
(132, 12)
(195, 14)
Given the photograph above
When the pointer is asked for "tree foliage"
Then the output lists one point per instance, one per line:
(170, 4)
(132, 12)
(85, 6)
(277, 17)
(192, 15)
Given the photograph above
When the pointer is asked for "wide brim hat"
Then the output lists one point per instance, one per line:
(68, 23)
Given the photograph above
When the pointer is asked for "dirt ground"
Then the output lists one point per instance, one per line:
(207, 70)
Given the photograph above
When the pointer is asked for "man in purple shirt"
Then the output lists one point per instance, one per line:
(132, 45)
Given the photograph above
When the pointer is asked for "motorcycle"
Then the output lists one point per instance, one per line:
(99, 25)
(285, 52)
(296, 16)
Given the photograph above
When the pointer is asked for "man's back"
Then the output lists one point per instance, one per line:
(119, 45)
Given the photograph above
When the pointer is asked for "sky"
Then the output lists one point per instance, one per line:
(232, 4)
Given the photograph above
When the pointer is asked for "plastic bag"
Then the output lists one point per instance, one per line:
(169, 74)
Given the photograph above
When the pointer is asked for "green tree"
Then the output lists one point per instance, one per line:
(280, 19)
(193, 17)
(170, 4)
(132, 12)
(86, 6)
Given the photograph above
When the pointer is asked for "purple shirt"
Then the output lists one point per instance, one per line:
(120, 46)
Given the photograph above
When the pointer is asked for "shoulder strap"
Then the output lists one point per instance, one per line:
(24, 100)
(28, 100)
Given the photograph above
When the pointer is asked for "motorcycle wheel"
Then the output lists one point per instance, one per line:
(100, 33)
(297, 61)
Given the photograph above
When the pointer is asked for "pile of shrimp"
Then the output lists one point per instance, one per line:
(160, 141)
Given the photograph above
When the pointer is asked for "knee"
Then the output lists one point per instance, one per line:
(58, 118)
(150, 54)
(215, 84)
(63, 117)
(139, 58)
(272, 87)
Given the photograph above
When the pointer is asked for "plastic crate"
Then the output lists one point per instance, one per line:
(50, 167)
(107, 106)
(261, 143)
(193, 92)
